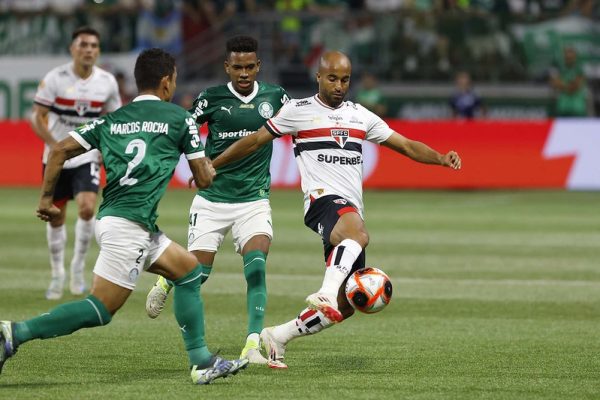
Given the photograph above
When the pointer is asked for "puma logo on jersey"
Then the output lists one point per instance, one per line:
(227, 109)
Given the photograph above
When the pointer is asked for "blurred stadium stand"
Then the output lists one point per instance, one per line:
(414, 47)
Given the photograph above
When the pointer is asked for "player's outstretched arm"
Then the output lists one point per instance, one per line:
(243, 147)
(420, 152)
(203, 172)
(59, 153)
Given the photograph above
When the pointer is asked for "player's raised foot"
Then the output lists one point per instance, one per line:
(251, 352)
(275, 349)
(219, 368)
(325, 303)
(157, 297)
(77, 281)
(55, 289)
(7, 343)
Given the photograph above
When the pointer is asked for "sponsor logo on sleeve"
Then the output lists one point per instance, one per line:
(302, 103)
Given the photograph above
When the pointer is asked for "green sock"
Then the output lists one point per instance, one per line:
(204, 273)
(189, 312)
(63, 320)
(256, 292)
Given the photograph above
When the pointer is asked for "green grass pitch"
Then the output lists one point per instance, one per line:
(496, 296)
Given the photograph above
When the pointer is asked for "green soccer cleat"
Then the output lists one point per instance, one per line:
(220, 368)
(157, 297)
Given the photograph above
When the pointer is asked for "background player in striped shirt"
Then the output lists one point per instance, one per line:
(69, 96)
(328, 133)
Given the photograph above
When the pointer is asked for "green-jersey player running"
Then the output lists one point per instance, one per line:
(140, 144)
(238, 200)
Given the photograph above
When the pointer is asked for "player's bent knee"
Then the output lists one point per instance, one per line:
(86, 213)
(363, 239)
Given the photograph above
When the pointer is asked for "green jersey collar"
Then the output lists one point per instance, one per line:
(146, 97)
(244, 99)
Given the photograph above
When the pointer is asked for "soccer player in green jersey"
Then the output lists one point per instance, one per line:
(141, 144)
(238, 199)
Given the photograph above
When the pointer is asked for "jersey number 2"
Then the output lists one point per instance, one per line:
(140, 146)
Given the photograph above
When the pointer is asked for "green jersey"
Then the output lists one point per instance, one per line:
(140, 144)
(231, 116)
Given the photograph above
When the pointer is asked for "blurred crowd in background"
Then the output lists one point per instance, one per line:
(398, 47)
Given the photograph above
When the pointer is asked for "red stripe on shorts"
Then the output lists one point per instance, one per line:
(346, 210)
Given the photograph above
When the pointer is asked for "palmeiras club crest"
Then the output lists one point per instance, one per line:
(265, 109)
(82, 106)
(340, 136)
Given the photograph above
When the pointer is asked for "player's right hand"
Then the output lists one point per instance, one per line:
(205, 175)
(46, 210)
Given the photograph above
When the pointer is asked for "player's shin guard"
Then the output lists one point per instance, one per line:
(57, 239)
(63, 320)
(339, 265)
(256, 292)
(189, 312)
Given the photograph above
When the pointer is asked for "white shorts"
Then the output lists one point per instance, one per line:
(210, 222)
(126, 249)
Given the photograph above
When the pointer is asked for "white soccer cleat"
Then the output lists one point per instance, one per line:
(327, 304)
(220, 368)
(157, 297)
(8, 347)
(251, 352)
(275, 349)
(77, 282)
(55, 289)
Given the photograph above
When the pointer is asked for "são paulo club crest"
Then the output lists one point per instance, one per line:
(82, 106)
(340, 136)
(265, 109)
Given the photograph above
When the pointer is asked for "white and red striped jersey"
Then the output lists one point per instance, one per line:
(74, 101)
(328, 145)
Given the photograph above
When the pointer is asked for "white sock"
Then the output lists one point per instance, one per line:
(57, 239)
(83, 237)
(253, 337)
(339, 266)
(308, 322)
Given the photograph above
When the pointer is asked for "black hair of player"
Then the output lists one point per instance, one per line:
(151, 66)
(241, 44)
(84, 30)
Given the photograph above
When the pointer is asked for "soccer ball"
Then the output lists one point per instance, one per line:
(369, 290)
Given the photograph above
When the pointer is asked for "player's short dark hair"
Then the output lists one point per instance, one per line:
(151, 66)
(241, 44)
(84, 30)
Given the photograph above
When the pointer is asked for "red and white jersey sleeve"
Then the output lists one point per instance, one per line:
(74, 101)
(328, 145)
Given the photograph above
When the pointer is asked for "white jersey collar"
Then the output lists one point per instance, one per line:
(244, 99)
(72, 71)
(146, 97)
(321, 102)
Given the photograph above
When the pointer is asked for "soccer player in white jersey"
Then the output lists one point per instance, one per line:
(69, 96)
(327, 134)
